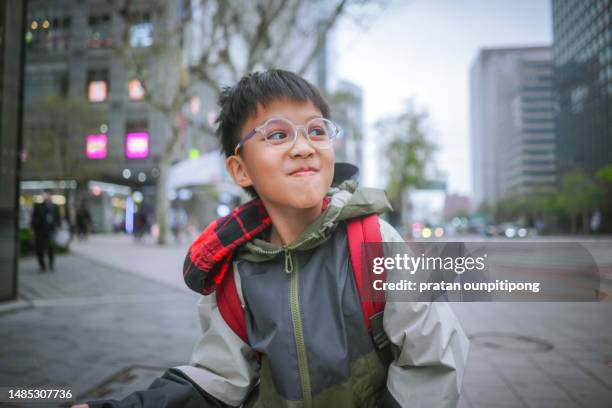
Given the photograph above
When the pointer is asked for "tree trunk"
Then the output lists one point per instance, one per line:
(573, 218)
(161, 203)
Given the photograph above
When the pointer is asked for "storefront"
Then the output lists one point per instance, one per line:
(63, 195)
(203, 189)
(107, 204)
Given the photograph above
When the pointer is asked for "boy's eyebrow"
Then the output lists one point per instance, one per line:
(280, 117)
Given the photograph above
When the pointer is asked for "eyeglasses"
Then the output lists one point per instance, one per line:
(281, 133)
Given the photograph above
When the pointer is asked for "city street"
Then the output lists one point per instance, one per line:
(486, 142)
(114, 315)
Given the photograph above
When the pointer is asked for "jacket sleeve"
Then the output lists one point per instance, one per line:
(430, 350)
(172, 390)
(222, 371)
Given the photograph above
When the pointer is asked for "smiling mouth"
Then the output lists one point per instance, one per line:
(303, 172)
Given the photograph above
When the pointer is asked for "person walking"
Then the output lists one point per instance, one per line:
(83, 221)
(45, 220)
(141, 224)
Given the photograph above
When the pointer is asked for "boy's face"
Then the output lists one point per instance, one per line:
(274, 172)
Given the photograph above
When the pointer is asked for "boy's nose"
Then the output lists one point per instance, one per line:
(301, 146)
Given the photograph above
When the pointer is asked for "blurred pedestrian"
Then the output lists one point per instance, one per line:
(141, 224)
(595, 221)
(71, 218)
(45, 220)
(118, 222)
(83, 221)
(178, 221)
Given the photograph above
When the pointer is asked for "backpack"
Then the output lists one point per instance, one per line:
(359, 230)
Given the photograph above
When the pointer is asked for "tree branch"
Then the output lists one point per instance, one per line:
(322, 34)
(285, 36)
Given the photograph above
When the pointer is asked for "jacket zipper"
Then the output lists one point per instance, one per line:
(291, 268)
(267, 252)
(288, 257)
(298, 331)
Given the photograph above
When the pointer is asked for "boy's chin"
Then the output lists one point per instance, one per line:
(305, 204)
(302, 196)
(302, 200)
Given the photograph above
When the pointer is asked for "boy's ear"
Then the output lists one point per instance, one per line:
(237, 170)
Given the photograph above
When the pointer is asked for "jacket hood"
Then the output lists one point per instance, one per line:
(346, 200)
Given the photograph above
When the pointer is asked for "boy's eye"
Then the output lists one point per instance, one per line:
(277, 136)
(317, 132)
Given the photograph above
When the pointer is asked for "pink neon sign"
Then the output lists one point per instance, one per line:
(96, 147)
(137, 145)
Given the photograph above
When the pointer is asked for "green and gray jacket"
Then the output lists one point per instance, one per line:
(303, 315)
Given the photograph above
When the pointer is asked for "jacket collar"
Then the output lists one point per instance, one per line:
(211, 253)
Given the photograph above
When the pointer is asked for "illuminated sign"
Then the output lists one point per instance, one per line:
(96, 147)
(137, 145)
(97, 91)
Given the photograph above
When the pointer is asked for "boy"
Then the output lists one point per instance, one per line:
(306, 343)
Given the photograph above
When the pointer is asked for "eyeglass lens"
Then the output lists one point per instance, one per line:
(280, 132)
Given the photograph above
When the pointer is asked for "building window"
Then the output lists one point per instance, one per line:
(578, 96)
(141, 30)
(212, 118)
(137, 141)
(135, 90)
(48, 34)
(97, 85)
(99, 31)
(194, 105)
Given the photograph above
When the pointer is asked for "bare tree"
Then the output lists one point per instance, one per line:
(47, 141)
(214, 43)
(407, 150)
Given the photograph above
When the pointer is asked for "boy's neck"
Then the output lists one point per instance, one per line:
(288, 223)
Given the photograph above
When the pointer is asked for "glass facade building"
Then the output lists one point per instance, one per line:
(583, 79)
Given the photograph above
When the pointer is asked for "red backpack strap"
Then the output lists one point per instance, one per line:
(230, 308)
(229, 305)
(360, 230)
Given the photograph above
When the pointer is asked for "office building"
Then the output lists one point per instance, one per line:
(512, 123)
(582, 55)
(89, 131)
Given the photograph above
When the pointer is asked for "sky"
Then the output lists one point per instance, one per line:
(423, 49)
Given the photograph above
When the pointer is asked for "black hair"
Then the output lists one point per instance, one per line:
(239, 102)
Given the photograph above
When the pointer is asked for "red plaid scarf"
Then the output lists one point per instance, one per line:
(210, 255)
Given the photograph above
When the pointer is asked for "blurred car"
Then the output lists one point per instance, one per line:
(507, 230)
(426, 231)
(491, 230)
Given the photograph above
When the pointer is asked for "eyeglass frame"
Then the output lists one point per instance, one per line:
(296, 129)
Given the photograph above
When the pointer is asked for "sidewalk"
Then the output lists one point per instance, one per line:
(89, 323)
(163, 264)
(116, 314)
